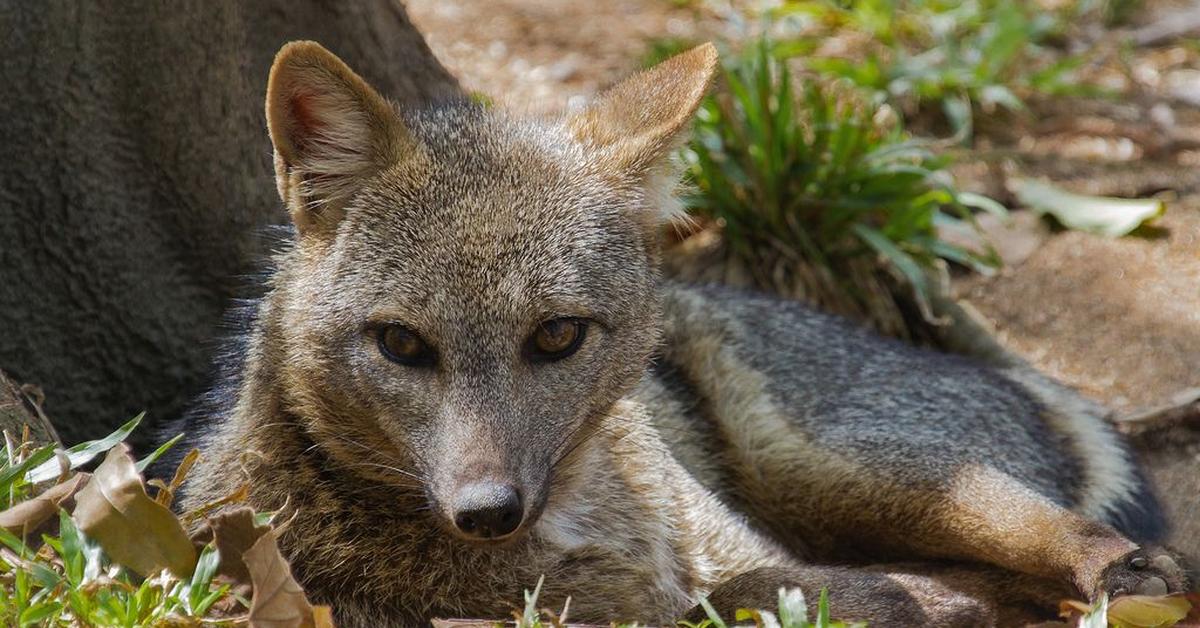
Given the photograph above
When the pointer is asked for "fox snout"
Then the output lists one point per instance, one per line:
(484, 492)
(487, 510)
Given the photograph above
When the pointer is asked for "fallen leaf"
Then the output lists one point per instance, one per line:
(1129, 611)
(1104, 215)
(234, 532)
(323, 617)
(166, 494)
(26, 516)
(1071, 608)
(278, 601)
(134, 530)
(1148, 611)
(240, 494)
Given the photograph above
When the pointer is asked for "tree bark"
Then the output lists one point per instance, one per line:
(21, 410)
(136, 179)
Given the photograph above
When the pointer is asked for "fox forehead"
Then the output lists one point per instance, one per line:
(492, 205)
(483, 177)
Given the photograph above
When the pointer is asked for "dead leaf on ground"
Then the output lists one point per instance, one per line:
(30, 514)
(1135, 611)
(134, 530)
(1103, 215)
(240, 494)
(166, 493)
(234, 532)
(278, 601)
(1148, 611)
(323, 617)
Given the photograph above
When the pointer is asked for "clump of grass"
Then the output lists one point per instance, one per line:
(813, 188)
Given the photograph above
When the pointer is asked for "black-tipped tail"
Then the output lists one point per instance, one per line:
(1140, 517)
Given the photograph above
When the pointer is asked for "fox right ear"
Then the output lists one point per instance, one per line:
(330, 131)
(632, 128)
(635, 124)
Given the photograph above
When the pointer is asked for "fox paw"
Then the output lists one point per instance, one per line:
(1145, 571)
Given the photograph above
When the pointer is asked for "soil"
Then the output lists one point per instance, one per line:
(538, 54)
(1117, 318)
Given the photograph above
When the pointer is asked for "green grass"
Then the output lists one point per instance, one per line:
(953, 57)
(65, 578)
(819, 180)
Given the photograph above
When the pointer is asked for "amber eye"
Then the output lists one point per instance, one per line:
(557, 338)
(403, 346)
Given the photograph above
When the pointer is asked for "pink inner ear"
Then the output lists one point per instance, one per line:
(305, 120)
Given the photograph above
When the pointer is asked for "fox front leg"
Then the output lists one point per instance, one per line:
(981, 514)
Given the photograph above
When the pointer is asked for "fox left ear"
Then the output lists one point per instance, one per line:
(636, 123)
(330, 131)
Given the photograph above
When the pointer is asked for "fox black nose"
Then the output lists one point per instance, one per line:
(486, 510)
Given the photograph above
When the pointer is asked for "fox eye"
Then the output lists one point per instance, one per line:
(403, 346)
(557, 339)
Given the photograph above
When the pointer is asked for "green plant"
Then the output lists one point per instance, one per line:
(822, 184)
(958, 56)
(66, 579)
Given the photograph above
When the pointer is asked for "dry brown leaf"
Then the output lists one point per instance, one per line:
(28, 515)
(240, 494)
(323, 617)
(166, 494)
(1136, 611)
(1148, 611)
(134, 530)
(1066, 608)
(278, 601)
(234, 532)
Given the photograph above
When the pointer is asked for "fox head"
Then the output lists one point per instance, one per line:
(468, 290)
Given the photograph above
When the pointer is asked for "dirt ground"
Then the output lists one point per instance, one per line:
(1118, 319)
(537, 54)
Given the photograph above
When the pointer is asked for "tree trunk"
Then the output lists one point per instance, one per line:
(21, 411)
(136, 178)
